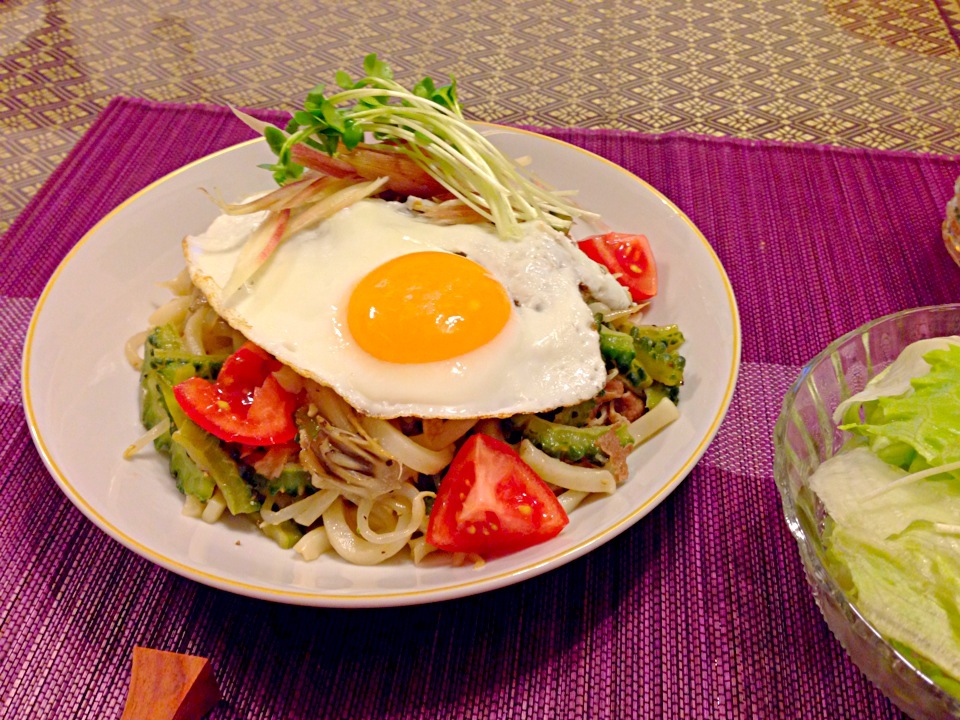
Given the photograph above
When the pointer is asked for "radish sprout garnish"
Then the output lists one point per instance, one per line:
(425, 130)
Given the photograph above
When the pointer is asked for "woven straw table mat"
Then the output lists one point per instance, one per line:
(699, 611)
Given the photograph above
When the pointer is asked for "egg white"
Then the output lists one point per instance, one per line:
(547, 355)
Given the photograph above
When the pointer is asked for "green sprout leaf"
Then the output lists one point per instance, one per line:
(315, 97)
(275, 138)
(425, 88)
(376, 68)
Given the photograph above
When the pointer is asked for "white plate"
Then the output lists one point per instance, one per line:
(80, 394)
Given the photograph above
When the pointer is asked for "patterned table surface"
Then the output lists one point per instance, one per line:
(858, 73)
(881, 75)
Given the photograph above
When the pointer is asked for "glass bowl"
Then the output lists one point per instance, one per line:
(805, 436)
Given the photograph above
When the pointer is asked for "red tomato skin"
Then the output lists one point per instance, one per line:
(247, 367)
(245, 404)
(479, 506)
(627, 256)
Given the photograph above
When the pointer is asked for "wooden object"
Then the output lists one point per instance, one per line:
(169, 686)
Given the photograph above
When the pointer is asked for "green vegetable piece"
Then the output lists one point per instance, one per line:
(352, 134)
(898, 453)
(165, 337)
(191, 480)
(165, 364)
(306, 426)
(177, 366)
(165, 353)
(292, 480)
(285, 534)
(332, 116)
(658, 391)
(177, 414)
(197, 460)
(152, 406)
(636, 376)
(207, 452)
(617, 348)
(907, 586)
(659, 363)
(932, 671)
(669, 335)
(642, 354)
(575, 415)
(153, 409)
(425, 88)
(566, 442)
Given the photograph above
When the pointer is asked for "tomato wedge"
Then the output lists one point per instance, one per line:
(628, 257)
(492, 503)
(245, 404)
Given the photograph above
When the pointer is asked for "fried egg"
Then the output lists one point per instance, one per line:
(405, 317)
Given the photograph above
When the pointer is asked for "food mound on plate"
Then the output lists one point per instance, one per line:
(401, 347)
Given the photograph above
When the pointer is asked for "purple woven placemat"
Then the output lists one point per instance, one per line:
(700, 611)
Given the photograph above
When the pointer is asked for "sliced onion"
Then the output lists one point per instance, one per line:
(193, 333)
(285, 196)
(404, 450)
(333, 407)
(180, 285)
(171, 312)
(437, 434)
(304, 511)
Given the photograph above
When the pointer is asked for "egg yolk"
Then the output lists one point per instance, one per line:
(426, 306)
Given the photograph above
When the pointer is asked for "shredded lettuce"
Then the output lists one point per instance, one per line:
(907, 586)
(893, 499)
(924, 418)
(895, 378)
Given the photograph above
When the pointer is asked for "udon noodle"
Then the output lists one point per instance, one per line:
(371, 481)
